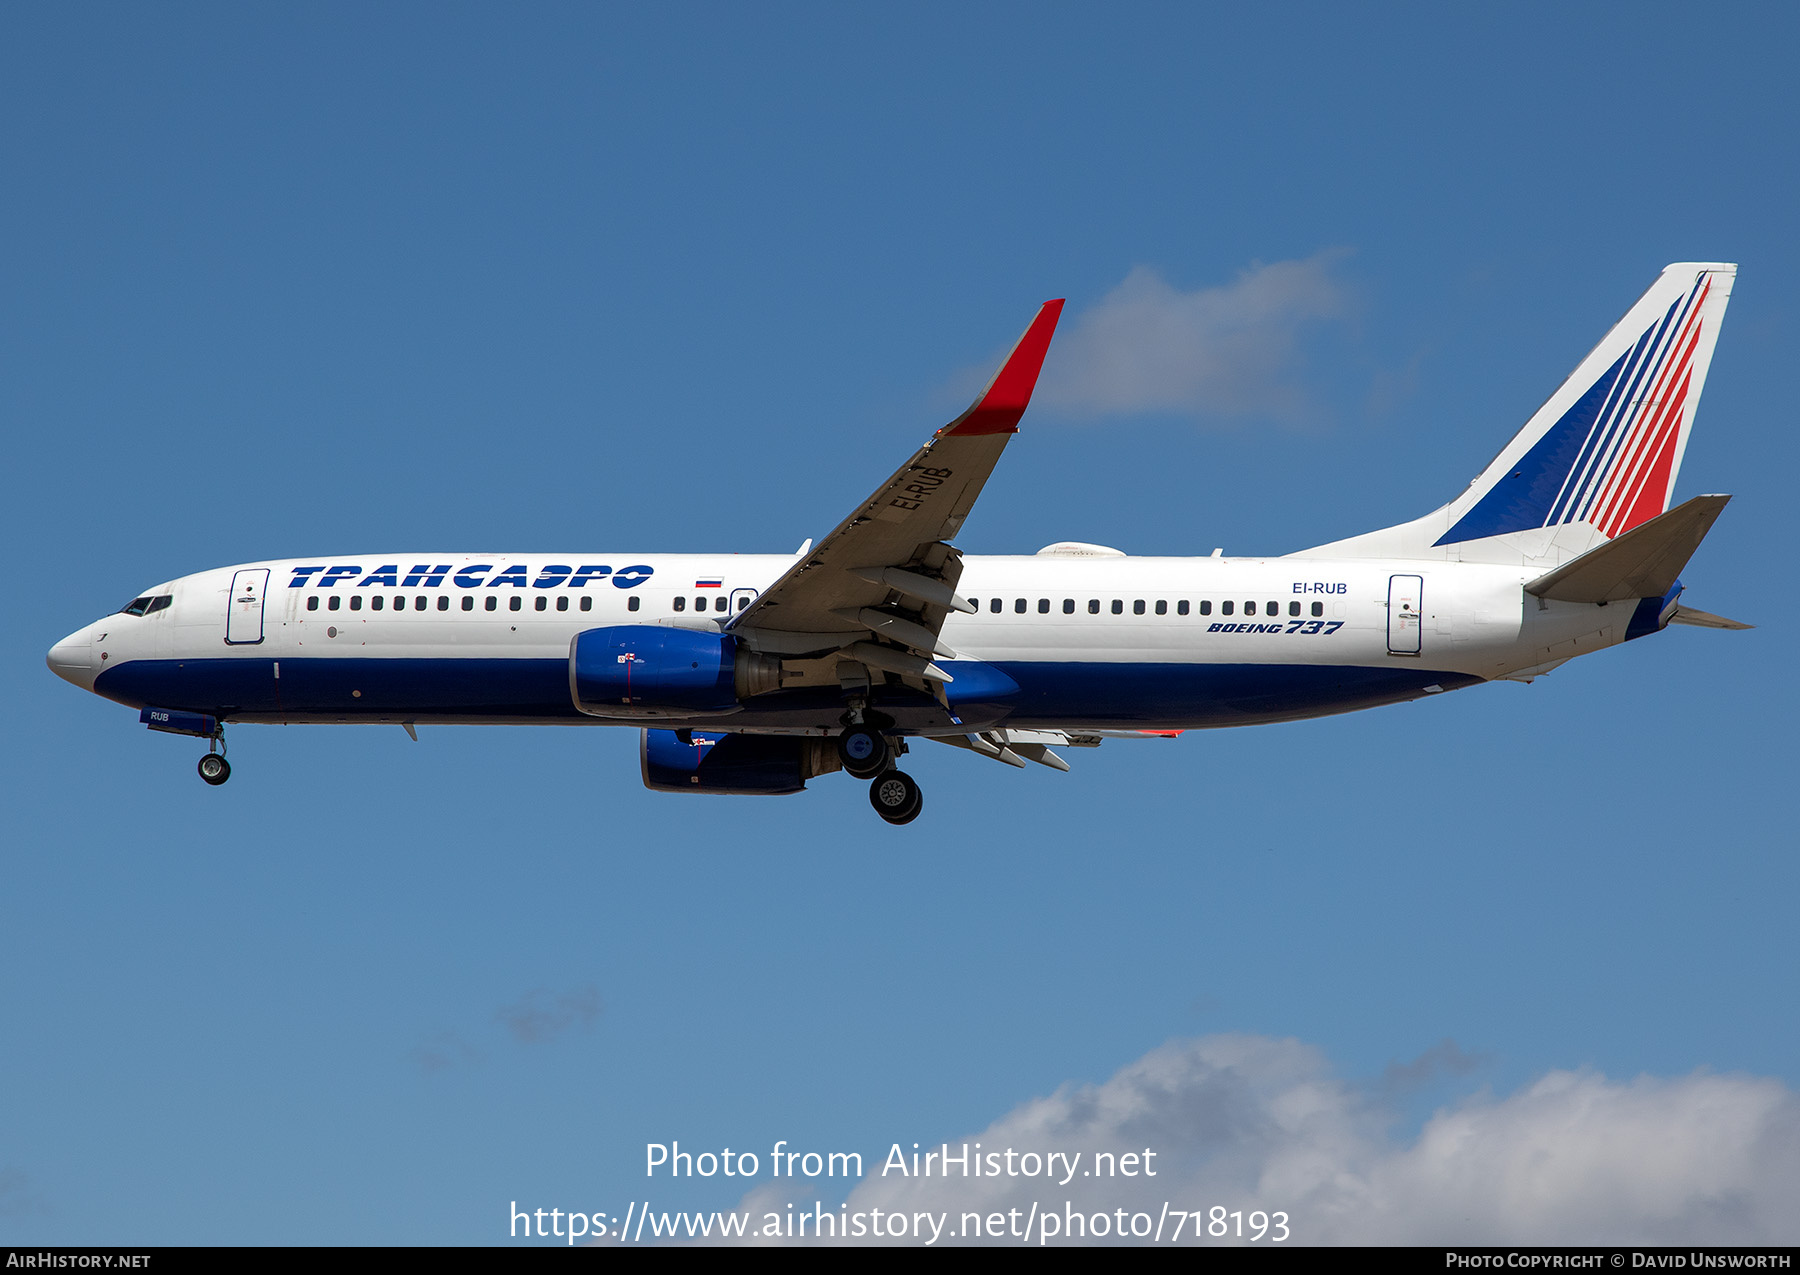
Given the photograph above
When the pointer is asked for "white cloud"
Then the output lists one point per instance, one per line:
(1229, 351)
(1252, 1123)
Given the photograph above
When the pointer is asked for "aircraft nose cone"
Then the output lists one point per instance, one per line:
(72, 660)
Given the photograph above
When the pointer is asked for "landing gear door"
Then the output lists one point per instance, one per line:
(244, 616)
(1405, 617)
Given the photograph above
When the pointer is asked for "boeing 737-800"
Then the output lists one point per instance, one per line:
(755, 673)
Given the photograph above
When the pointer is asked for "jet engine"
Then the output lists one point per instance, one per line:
(646, 670)
(707, 762)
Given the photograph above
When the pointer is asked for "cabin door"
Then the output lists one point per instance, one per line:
(244, 619)
(1405, 617)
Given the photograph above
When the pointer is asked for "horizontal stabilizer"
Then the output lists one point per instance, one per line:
(1641, 563)
(1705, 619)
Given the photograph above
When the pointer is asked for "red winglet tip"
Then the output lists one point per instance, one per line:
(999, 408)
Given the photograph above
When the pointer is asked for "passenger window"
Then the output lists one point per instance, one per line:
(374, 603)
(631, 603)
(421, 602)
(356, 602)
(443, 603)
(680, 603)
(1206, 606)
(1318, 608)
(742, 603)
(1137, 608)
(468, 602)
(1181, 607)
(1118, 607)
(333, 604)
(1224, 608)
(1162, 608)
(1093, 606)
(493, 603)
(312, 603)
(1293, 608)
(1043, 606)
(721, 603)
(994, 606)
(1019, 607)
(1249, 608)
(1068, 606)
(515, 603)
(543, 603)
(562, 602)
(587, 603)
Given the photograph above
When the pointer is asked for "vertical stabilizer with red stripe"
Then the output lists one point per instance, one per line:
(1600, 456)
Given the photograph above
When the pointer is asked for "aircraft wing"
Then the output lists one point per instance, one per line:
(883, 581)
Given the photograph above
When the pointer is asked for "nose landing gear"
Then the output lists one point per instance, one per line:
(214, 769)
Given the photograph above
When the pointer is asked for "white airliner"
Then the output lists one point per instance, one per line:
(755, 673)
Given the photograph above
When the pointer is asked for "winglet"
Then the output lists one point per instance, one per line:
(1001, 405)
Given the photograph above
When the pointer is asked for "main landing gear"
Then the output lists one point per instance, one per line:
(214, 769)
(896, 797)
(864, 751)
(867, 753)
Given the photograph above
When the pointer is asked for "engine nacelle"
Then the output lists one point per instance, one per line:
(647, 670)
(715, 763)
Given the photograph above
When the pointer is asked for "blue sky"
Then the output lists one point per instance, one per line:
(326, 279)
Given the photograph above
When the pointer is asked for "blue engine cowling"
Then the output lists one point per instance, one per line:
(715, 763)
(646, 670)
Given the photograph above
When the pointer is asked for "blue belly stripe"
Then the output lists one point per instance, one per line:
(432, 687)
(1127, 696)
(1101, 696)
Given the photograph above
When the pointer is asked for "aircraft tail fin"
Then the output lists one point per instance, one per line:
(1600, 457)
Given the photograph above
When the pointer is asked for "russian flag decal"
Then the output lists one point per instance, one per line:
(709, 584)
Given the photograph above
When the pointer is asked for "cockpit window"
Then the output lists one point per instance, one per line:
(147, 605)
